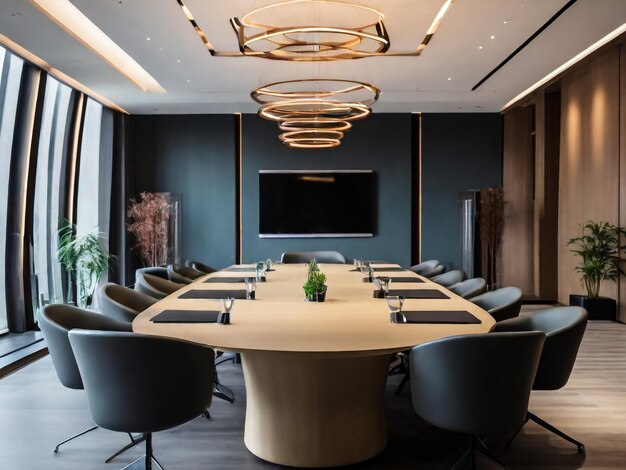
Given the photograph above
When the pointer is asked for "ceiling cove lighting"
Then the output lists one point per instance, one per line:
(76, 24)
(57, 74)
(343, 30)
(315, 113)
(577, 58)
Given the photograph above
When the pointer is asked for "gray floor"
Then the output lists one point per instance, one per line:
(36, 412)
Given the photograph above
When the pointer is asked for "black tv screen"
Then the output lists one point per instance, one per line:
(316, 203)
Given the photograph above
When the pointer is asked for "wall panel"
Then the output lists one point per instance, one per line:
(589, 163)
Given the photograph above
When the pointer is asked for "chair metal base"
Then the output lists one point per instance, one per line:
(544, 424)
(222, 391)
(134, 440)
(147, 461)
(56, 449)
(476, 447)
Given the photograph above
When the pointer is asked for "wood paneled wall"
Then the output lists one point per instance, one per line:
(518, 183)
(589, 184)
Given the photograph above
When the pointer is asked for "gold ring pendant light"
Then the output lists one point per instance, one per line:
(315, 113)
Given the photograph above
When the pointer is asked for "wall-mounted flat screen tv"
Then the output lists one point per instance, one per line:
(311, 204)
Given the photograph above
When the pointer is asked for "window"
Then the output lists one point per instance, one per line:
(48, 207)
(10, 77)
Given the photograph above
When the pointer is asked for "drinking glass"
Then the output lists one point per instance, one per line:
(366, 270)
(268, 264)
(260, 270)
(395, 303)
(228, 303)
(377, 282)
(250, 287)
(385, 284)
(357, 264)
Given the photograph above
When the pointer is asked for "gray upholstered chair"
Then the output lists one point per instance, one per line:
(425, 266)
(167, 383)
(328, 257)
(469, 288)
(501, 304)
(436, 271)
(56, 321)
(564, 328)
(450, 278)
(154, 271)
(123, 304)
(155, 286)
(198, 266)
(476, 384)
(185, 271)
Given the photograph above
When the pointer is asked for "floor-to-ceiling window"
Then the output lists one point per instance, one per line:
(48, 207)
(10, 77)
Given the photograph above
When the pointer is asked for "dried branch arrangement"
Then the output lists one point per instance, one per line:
(491, 219)
(149, 223)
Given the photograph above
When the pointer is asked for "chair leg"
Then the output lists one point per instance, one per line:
(222, 391)
(133, 442)
(206, 414)
(147, 461)
(579, 445)
(405, 379)
(56, 449)
(223, 358)
(508, 444)
(485, 452)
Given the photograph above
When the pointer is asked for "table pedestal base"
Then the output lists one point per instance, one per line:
(306, 410)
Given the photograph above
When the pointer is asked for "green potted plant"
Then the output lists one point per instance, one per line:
(598, 250)
(83, 258)
(315, 286)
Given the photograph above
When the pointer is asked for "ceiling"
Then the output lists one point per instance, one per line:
(440, 80)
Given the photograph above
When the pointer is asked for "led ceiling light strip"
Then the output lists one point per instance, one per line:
(309, 43)
(76, 24)
(57, 74)
(577, 58)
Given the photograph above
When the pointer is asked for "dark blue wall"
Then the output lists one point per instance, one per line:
(381, 143)
(459, 152)
(192, 155)
(195, 156)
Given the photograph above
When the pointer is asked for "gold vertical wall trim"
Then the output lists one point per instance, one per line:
(239, 149)
(74, 156)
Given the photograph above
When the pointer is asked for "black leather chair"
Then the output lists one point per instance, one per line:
(450, 278)
(469, 288)
(564, 328)
(198, 266)
(425, 266)
(476, 384)
(123, 304)
(155, 286)
(185, 272)
(56, 321)
(436, 271)
(501, 304)
(328, 257)
(168, 382)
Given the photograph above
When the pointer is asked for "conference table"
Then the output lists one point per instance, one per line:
(314, 372)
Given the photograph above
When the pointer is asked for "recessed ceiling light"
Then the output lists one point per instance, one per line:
(449, 78)
(480, 47)
(178, 60)
(148, 38)
(505, 22)
(76, 24)
(492, 36)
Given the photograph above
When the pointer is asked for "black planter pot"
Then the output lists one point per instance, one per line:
(600, 308)
(317, 297)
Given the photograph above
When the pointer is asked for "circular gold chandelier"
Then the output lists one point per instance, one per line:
(268, 31)
(315, 113)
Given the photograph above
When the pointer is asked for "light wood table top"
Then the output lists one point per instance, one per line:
(350, 322)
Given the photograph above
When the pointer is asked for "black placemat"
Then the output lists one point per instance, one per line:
(251, 269)
(405, 279)
(213, 294)
(394, 270)
(435, 316)
(186, 316)
(225, 279)
(419, 293)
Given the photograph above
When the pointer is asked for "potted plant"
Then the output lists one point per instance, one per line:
(598, 249)
(315, 286)
(84, 258)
